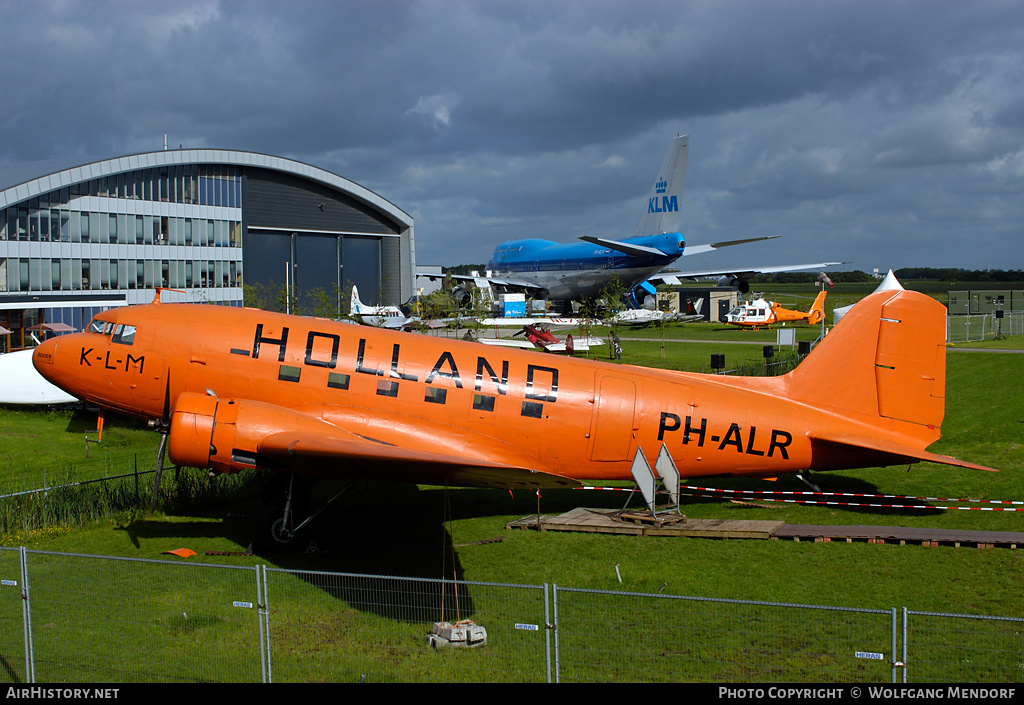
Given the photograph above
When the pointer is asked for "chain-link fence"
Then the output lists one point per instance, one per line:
(75, 618)
(628, 637)
(971, 328)
(338, 627)
(962, 648)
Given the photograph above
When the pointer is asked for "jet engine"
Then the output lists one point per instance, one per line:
(463, 296)
(742, 285)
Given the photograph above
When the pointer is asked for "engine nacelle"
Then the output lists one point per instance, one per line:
(463, 296)
(742, 285)
(224, 434)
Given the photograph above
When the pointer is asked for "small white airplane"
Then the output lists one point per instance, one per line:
(378, 316)
(20, 383)
(539, 336)
(646, 316)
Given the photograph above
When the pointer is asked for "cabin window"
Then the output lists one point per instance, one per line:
(288, 373)
(483, 402)
(436, 395)
(336, 380)
(533, 410)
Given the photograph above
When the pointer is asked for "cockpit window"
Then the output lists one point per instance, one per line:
(125, 335)
(99, 326)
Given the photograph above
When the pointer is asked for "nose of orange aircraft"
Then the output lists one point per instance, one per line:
(44, 358)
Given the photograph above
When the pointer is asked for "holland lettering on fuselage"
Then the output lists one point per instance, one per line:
(585, 270)
(238, 389)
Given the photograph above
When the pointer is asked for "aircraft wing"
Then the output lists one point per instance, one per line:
(20, 383)
(495, 281)
(676, 278)
(362, 456)
(508, 343)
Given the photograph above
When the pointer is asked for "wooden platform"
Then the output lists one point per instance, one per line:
(901, 535)
(608, 521)
(633, 523)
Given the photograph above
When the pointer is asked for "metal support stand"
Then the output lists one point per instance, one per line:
(647, 480)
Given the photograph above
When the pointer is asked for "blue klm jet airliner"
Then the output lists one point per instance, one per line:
(569, 272)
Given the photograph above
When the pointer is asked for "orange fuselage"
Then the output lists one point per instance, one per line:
(561, 417)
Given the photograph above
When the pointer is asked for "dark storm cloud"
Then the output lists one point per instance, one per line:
(882, 133)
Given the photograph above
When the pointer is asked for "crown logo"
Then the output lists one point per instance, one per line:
(661, 186)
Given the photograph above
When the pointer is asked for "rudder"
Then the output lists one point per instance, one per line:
(887, 359)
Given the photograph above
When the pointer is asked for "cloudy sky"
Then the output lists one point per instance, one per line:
(885, 134)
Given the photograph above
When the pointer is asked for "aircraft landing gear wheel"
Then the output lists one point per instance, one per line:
(286, 507)
(275, 533)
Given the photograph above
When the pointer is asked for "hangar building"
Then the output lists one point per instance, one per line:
(75, 240)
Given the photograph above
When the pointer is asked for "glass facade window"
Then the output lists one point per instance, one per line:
(94, 236)
(57, 217)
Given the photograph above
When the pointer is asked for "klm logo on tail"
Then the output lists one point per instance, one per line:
(667, 204)
(664, 204)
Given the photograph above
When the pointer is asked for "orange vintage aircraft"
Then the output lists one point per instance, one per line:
(237, 389)
(759, 313)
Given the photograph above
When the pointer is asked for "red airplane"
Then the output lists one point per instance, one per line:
(238, 389)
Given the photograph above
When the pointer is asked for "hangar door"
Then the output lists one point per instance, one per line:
(611, 431)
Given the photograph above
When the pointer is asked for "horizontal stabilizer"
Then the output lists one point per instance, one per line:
(624, 247)
(879, 452)
(701, 249)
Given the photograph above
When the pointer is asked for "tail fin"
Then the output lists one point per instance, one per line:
(817, 311)
(881, 376)
(887, 359)
(356, 306)
(662, 214)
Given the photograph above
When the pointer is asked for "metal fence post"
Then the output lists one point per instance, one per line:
(547, 634)
(263, 619)
(26, 616)
(904, 645)
(554, 599)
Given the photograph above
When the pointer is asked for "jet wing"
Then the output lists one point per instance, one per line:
(884, 452)
(360, 456)
(675, 278)
(494, 281)
(508, 343)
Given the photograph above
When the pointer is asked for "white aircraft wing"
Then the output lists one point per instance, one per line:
(743, 274)
(20, 383)
(496, 281)
(508, 342)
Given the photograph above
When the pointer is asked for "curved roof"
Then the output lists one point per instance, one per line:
(55, 176)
